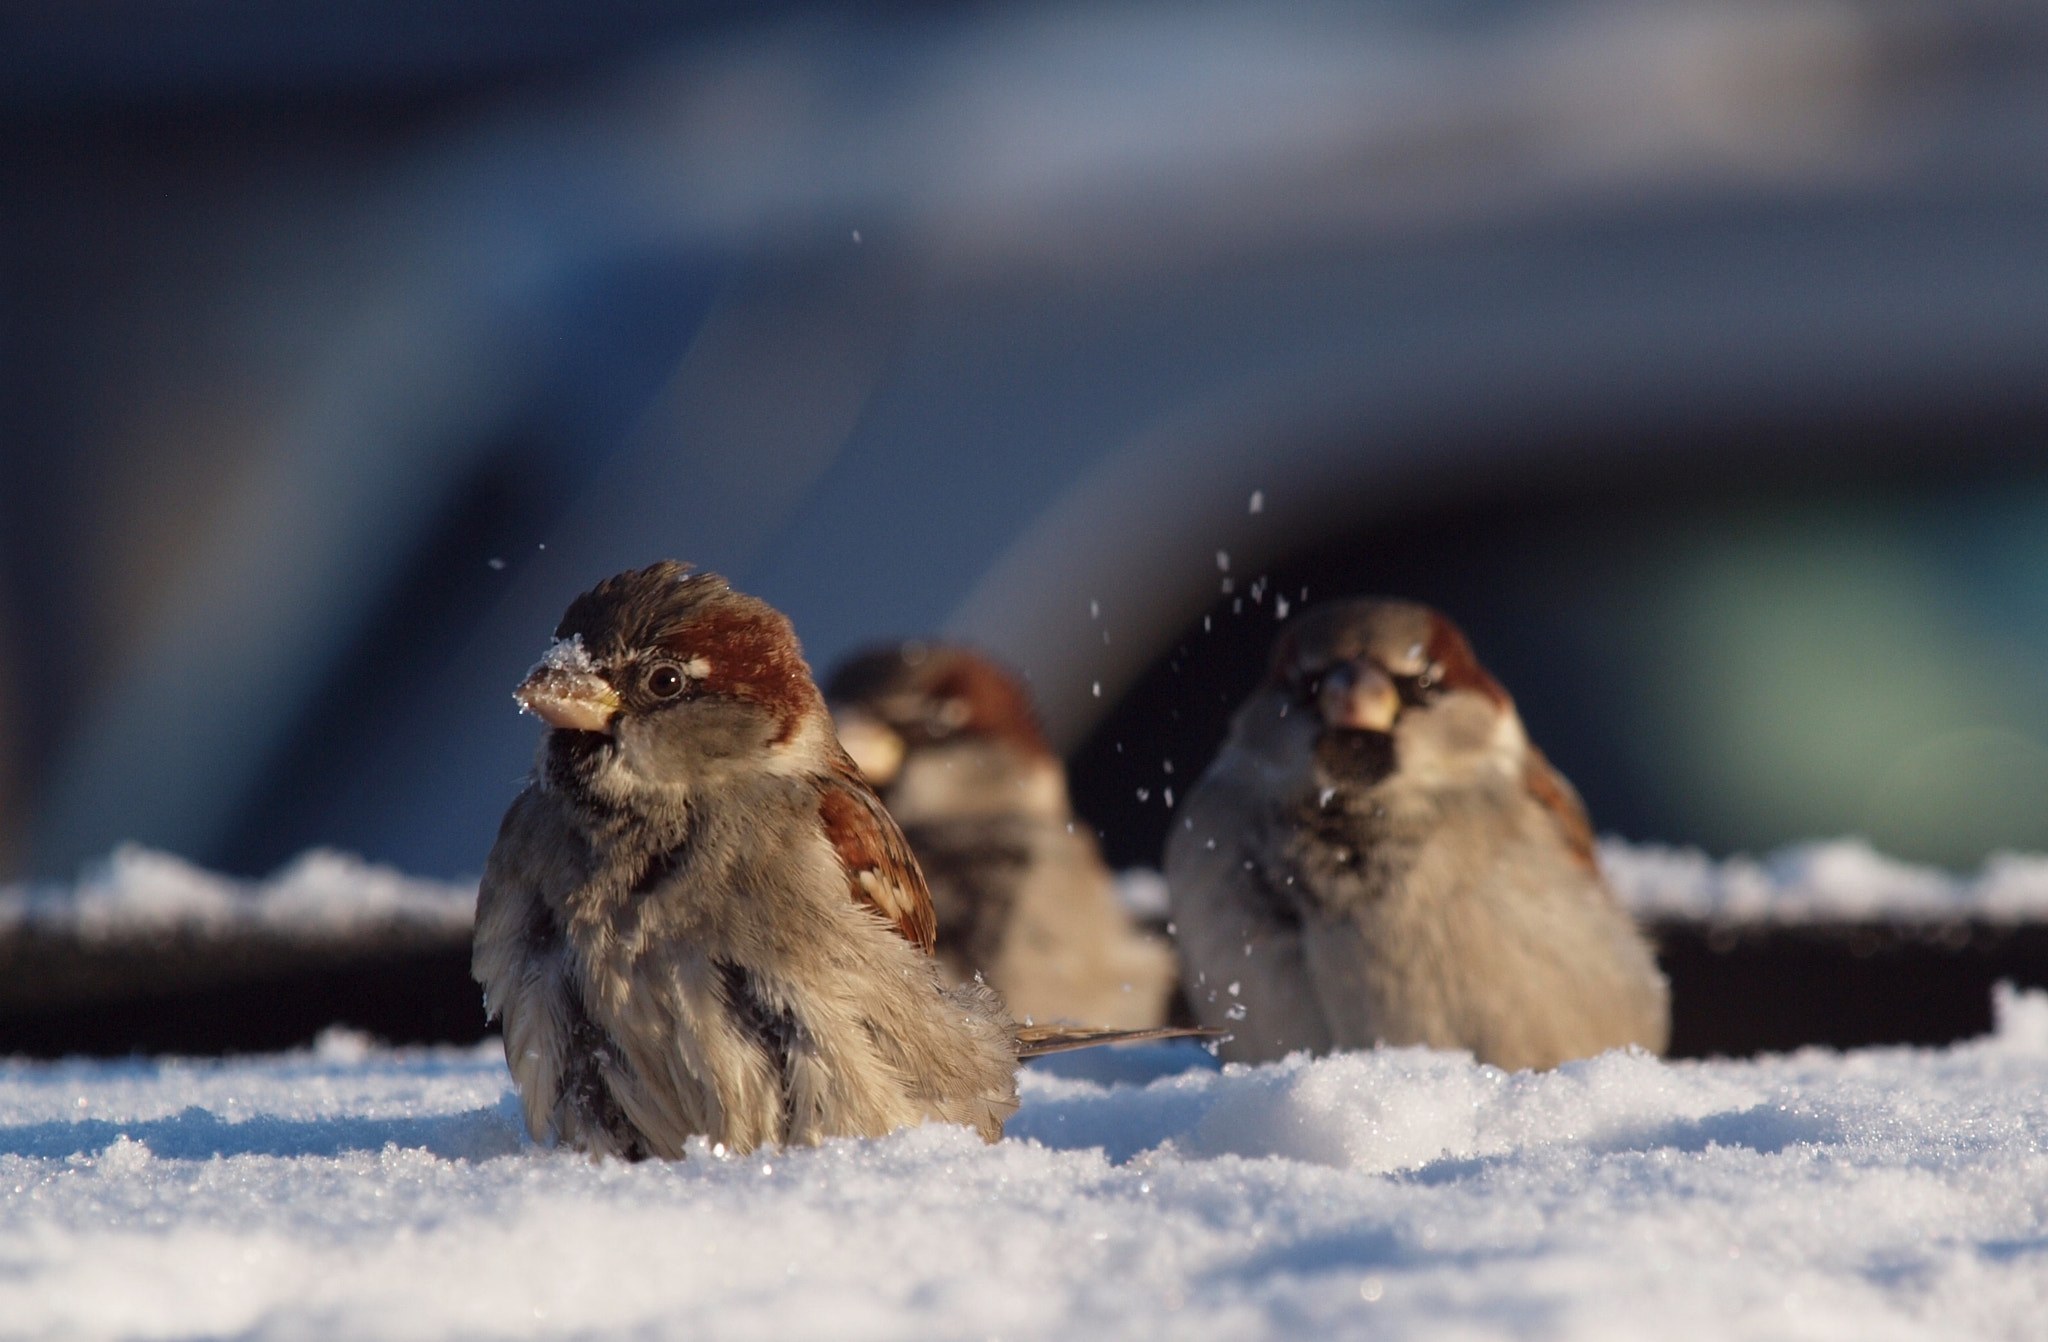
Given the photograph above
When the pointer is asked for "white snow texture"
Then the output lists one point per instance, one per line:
(355, 1191)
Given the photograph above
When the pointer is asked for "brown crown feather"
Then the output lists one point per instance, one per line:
(749, 649)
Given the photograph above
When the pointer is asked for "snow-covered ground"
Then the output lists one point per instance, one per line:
(354, 1191)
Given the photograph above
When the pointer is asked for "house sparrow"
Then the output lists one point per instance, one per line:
(1022, 897)
(698, 919)
(1379, 855)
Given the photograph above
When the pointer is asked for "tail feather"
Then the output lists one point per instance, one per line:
(1035, 1041)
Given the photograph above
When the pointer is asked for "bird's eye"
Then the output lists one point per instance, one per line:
(1419, 689)
(664, 681)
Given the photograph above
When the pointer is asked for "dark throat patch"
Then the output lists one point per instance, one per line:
(1349, 758)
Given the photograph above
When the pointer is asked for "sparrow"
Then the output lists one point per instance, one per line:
(699, 920)
(1379, 855)
(950, 741)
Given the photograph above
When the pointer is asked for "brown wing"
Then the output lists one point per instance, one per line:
(880, 870)
(1557, 796)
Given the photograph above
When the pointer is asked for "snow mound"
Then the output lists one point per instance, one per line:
(139, 892)
(353, 1191)
(1843, 880)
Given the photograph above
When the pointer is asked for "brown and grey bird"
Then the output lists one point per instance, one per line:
(950, 741)
(1380, 855)
(699, 920)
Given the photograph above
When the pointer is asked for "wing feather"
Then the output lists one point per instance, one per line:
(1556, 795)
(881, 872)
(517, 957)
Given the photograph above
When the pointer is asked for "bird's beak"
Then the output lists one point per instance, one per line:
(875, 746)
(580, 701)
(1359, 696)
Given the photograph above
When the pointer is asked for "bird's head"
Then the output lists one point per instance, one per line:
(663, 679)
(1370, 686)
(891, 702)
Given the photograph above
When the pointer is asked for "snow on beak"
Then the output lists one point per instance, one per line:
(875, 746)
(564, 690)
(1359, 696)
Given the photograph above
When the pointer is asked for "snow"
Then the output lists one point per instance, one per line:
(1141, 892)
(567, 654)
(1841, 880)
(354, 1190)
(139, 892)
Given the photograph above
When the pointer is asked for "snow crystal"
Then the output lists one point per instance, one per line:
(357, 1191)
(567, 654)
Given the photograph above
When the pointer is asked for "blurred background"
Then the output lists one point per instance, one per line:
(1693, 356)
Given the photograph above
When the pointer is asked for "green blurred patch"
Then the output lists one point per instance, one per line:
(1827, 667)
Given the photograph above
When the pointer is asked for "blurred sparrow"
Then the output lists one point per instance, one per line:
(950, 742)
(698, 919)
(1379, 855)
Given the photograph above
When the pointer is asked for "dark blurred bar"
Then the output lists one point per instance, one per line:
(1736, 991)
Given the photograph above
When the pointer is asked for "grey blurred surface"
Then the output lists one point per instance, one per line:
(993, 320)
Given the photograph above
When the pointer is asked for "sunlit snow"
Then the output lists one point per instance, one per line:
(357, 1191)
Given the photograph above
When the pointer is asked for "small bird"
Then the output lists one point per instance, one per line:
(1022, 897)
(698, 919)
(1380, 855)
